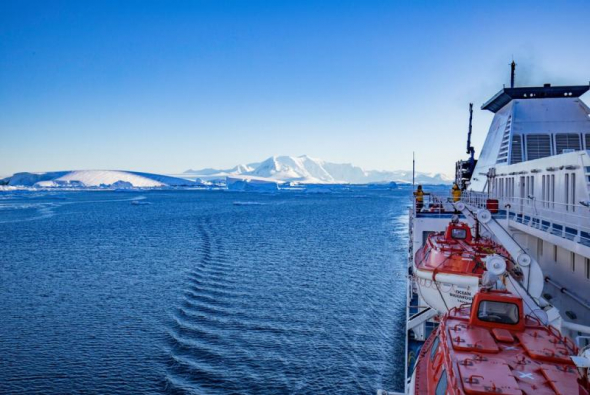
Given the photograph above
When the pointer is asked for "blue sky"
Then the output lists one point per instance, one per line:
(164, 86)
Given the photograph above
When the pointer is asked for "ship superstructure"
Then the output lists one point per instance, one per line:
(536, 162)
(527, 197)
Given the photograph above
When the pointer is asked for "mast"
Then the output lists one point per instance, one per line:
(470, 149)
(512, 70)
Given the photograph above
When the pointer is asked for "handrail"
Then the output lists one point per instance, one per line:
(565, 215)
(548, 210)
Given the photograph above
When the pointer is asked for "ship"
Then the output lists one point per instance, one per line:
(517, 240)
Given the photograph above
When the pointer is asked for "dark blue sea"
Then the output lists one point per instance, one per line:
(202, 292)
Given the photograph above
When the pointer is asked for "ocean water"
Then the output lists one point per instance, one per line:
(202, 292)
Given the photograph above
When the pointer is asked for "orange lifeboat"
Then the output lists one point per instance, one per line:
(490, 347)
(449, 268)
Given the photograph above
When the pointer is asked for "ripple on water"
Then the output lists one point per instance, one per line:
(193, 294)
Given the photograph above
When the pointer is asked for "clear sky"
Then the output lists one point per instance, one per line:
(164, 86)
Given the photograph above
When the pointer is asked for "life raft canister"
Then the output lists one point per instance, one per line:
(492, 205)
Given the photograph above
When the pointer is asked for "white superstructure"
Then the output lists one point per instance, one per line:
(536, 162)
(533, 174)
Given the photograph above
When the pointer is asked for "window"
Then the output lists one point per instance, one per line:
(555, 253)
(588, 141)
(552, 191)
(567, 192)
(459, 233)
(573, 192)
(544, 191)
(539, 248)
(434, 348)
(567, 141)
(573, 261)
(587, 264)
(441, 387)
(500, 312)
(538, 146)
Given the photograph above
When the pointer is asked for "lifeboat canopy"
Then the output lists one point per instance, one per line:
(492, 347)
(497, 309)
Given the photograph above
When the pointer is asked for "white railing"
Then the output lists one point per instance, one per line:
(552, 217)
(541, 214)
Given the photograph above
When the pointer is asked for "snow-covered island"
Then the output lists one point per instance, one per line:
(97, 179)
(272, 174)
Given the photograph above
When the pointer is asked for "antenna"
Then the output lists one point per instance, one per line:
(512, 69)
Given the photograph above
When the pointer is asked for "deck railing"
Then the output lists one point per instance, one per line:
(570, 221)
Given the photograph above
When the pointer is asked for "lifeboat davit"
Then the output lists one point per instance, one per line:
(490, 347)
(451, 266)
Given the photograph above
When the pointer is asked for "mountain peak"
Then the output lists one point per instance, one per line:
(306, 169)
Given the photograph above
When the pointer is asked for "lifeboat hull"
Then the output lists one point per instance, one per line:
(447, 290)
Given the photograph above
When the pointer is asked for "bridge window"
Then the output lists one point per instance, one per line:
(588, 141)
(538, 146)
(499, 312)
(441, 387)
(565, 142)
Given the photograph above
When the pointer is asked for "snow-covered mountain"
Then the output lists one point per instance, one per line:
(304, 169)
(95, 178)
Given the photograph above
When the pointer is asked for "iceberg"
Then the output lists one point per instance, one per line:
(251, 184)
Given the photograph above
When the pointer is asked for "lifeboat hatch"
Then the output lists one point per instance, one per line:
(540, 344)
(487, 376)
(563, 382)
(475, 339)
(503, 335)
